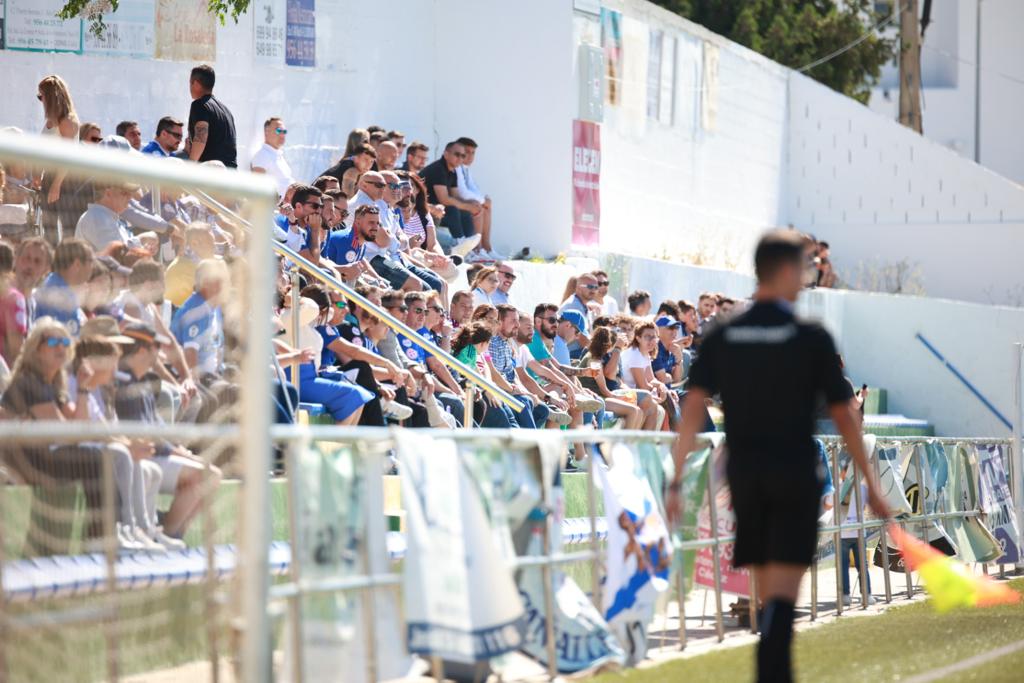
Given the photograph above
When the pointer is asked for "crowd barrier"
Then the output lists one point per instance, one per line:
(370, 551)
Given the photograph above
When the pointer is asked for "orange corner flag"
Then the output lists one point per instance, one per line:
(949, 582)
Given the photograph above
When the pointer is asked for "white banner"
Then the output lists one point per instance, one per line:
(639, 550)
(33, 25)
(997, 503)
(268, 21)
(128, 32)
(461, 603)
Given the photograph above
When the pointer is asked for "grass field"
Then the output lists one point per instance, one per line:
(893, 646)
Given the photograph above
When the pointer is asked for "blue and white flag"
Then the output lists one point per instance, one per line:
(639, 550)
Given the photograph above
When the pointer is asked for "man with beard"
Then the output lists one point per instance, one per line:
(347, 248)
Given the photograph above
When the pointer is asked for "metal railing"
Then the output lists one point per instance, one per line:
(371, 445)
(396, 325)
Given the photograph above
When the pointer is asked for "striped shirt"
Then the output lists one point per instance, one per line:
(415, 227)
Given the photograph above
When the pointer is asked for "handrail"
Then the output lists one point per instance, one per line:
(393, 323)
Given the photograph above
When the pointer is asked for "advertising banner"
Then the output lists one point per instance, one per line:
(128, 32)
(611, 42)
(736, 581)
(461, 602)
(586, 183)
(997, 503)
(186, 31)
(268, 22)
(33, 26)
(639, 550)
(300, 33)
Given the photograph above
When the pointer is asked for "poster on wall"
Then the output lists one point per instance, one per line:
(32, 25)
(611, 42)
(586, 183)
(735, 581)
(128, 32)
(268, 32)
(300, 33)
(185, 31)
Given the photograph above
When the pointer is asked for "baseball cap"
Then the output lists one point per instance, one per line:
(666, 321)
(575, 318)
(141, 332)
(104, 327)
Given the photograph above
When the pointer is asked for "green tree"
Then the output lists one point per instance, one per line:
(800, 32)
(93, 11)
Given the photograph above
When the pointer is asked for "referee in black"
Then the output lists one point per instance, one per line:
(770, 369)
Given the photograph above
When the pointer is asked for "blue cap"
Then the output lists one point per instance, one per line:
(575, 317)
(665, 321)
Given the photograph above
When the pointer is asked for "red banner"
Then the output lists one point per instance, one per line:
(586, 183)
(736, 581)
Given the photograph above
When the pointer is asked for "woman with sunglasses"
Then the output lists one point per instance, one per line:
(638, 373)
(39, 391)
(484, 284)
(637, 408)
(344, 351)
(61, 121)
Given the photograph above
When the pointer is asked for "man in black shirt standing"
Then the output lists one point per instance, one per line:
(211, 127)
(770, 368)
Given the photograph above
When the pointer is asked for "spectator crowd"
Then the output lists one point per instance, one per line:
(120, 302)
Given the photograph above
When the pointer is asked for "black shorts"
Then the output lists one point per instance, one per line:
(777, 507)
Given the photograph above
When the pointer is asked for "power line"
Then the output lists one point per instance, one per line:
(950, 55)
(849, 46)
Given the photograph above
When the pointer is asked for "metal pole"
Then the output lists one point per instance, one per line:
(753, 602)
(681, 591)
(4, 637)
(884, 545)
(110, 548)
(295, 602)
(862, 565)
(374, 553)
(295, 324)
(716, 558)
(977, 82)
(837, 540)
(256, 419)
(549, 596)
(814, 588)
(467, 412)
(212, 608)
(1017, 450)
(595, 546)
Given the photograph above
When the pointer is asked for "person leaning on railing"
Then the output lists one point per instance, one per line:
(469, 346)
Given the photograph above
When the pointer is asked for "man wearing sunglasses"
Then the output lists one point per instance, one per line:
(269, 158)
(169, 132)
(442, 188)
(307, 205)
(506, 278)
(586, 291)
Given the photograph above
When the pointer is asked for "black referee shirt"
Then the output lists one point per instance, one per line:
(770, 369)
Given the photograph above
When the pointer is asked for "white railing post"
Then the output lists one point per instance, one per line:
(1017, 451)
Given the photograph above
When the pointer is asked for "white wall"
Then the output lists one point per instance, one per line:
(948, 108)
(880, 193)
(680, 189)
(877, 335)
(422, 67)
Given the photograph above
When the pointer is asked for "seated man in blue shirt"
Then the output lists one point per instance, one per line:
(669, 365)
(346, 249)
(199, 327)
(57, 297)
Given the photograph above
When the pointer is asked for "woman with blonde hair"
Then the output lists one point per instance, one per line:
(484, 284)
(61, 120)
(39, 391)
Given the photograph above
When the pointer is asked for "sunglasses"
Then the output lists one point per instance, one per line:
(341, 304)
(375, 183)
(315, 205)
(552, 320)
(437, 309)
(344, 213)
(590, 286)
(176, 136)
(394, 186)
(418, 310)
(603, 284)
(281, 131)
(509, 276)
(95, 138)
(401, 309)
(54, 342)
(459, 155)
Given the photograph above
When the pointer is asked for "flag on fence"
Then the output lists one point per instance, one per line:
(949, 582)
(639, 549)
(460, 600)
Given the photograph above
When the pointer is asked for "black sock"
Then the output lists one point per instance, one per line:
(773, 656)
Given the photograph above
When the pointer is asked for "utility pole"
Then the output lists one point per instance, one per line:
(910, 66)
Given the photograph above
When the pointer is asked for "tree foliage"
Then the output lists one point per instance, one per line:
(93, 11)
(798, 32)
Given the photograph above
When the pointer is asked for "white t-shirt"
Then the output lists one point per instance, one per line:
(633, 358)
(273, 162)
(610, 306)
(851, 513)
(524, 357)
